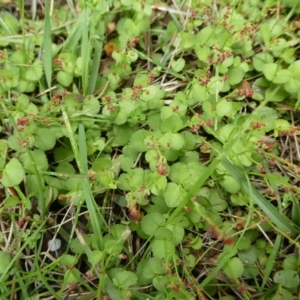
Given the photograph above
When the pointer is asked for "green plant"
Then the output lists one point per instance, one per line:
(162, 166)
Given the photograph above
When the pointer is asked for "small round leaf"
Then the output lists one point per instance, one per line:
(151, 222)
(125, 279)
(230, 184)
(234, 268)
(13, 173)
(45, 139)
(288, 278)
(270, 70)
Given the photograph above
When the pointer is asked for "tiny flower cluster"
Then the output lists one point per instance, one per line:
(58, 62)
(220, 236)
(131, 43)
(134, 211)
(136, 92)
(221, 56)
(245, 92)
(197, 122)
(64, 197)
(204, 79)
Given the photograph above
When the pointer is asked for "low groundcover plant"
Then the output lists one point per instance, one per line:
(149, 150)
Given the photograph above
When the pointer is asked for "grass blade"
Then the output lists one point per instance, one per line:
(95, 215)
(73, 39)
(271, 260)
(281, 221)
(85, 51)
(97, 58)
(47, 45)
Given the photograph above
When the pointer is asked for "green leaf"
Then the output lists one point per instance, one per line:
(248, 256)
(131, 56)
(22, 102)
(101, 164)
(178, 65)
(156, 183)
(203, 52)
(177, 231)
(205, 36)
(171, 124)
(91, 105)
(187, 40)
(198, 94)
(292, 86)
(152, 267)
(25, 86)
(5, 260)
(34, 71)
(74, 184)
(137, 140)
(126, 163)
(68, 61)
(11, 201)
(234, 268)
(39, 159)
(9, 79)
(72, 276)
(230, 184)
(153, 95)
(64, 78)
(282, 76)
(288, 278)
(224, 108)
(178, 172)
(275, 93)
(270, 70)
(236, 75)
(13, 173)
(174, 194)
(113, 247)
(68, 260)
(177, 141)
(284, 295)
(125, 279)
(3, 153)
(196, 243)
(290, 263)
(217, 203)
(151, 222)
(160, 282)
(163, 248)
(76, 245)
(44, 139)
(295, 211)
(294, 69)
(216, 84)
(122, 134)
(163, 233)
(260, 59)
(282, 125)
(95, 257)
(244, 243)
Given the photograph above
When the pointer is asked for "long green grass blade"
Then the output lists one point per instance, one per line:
(271, 260)
(73, 39)
(281, 221)
(47, 45)
(95, 215)
(97, 58)
(85, 51)
(71, 137)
